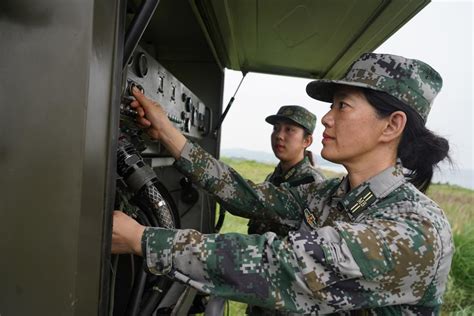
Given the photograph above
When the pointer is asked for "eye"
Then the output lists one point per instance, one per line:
(341, 105)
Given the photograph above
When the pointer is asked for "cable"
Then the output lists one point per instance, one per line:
(133, 305)
(113, 267)
(220, 220)
(155, 208)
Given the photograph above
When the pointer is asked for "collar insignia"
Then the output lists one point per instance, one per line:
(310, 219)
(361, 202)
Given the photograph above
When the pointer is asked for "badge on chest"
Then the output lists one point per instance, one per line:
(310, 219)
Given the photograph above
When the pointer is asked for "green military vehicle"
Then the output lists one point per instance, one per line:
(70, 153)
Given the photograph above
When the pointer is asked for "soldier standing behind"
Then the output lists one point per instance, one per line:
(371, 243)
(293, 128)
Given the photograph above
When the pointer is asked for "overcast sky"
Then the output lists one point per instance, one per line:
(440, 35)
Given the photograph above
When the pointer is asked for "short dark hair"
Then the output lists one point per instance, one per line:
(420, 150)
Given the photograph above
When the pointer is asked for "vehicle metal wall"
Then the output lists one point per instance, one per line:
(57, 60)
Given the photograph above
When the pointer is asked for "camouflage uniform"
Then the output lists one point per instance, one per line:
(380, 248)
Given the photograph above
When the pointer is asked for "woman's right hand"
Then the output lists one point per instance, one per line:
(154, 120)
(151, 115)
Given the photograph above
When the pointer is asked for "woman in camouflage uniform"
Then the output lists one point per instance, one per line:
(293, 128)
(372, 243)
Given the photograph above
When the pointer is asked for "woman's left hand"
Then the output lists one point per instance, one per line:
(126, 234)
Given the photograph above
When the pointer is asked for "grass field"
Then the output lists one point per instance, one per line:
(457, 202)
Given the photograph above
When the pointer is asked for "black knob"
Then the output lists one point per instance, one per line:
(173, 93)
(132, 84)
(188, 104)
(161, 80)
(187, 125)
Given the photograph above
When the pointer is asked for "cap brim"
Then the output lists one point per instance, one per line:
(323, 89)
(272, 119)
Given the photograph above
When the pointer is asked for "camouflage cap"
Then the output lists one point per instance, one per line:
(411, 81)
(296, 114)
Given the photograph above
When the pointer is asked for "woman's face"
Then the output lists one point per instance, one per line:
(352, 128)
(288, 141)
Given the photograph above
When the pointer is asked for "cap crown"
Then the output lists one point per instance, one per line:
(295, 113)
(411, 81)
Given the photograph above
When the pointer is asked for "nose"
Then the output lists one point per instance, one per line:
(328, 119)
(278, 136)
(277, 133)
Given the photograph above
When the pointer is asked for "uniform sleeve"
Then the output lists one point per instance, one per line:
(255, 269)
(349, 266)
(239, 196)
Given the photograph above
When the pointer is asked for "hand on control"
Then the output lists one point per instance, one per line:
(154, 119)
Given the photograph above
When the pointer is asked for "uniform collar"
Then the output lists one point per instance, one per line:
(291, 172)
(375, 188)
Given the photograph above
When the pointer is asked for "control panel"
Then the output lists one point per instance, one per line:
(187, 112)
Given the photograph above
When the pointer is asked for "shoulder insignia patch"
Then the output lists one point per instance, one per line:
(364, 199)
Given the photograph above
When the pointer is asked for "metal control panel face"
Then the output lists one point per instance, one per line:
(187, 112)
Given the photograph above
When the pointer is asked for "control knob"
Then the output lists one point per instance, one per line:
(141, 65)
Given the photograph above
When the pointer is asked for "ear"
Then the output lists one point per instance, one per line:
(395, 124)
(307, 141)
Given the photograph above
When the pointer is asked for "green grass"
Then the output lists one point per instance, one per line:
(458, 204)
(250, 169)
(459, 299)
